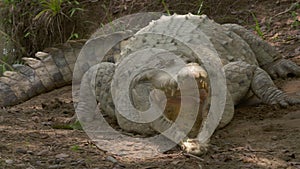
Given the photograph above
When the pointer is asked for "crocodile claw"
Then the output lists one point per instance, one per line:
(282, 68)
(193, 146)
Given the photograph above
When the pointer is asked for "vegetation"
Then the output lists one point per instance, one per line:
(75, 148)
(296, 19)
(257, 27)
(166, 7)
(29, 26)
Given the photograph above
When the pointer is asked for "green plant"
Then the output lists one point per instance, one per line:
(296, 21)
(76, 126)
(2, 163)
(53, 7)
(9, 1)
(2, 68)
(62, 126)
(54, 14)
(257, 26)
(109, 17)
(4, 62)
(8, 54)
(75, 148)
(165, 7)
(74, 9)
(73, 36)
(33, 25)
(200, 9)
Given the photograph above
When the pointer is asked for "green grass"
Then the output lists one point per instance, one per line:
(53, 14)
(52, 6)
(296, 22)
(2, 163)
(200, 9)
(257, 26)
(31, 26)
(73, 36)
(55, 7)
(75, 148)
(4, 66)
(109, 17)
(166, 7)
(74, 126)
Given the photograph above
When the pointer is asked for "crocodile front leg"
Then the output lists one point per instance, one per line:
(263, 87)
(267, 56)
(282, 68)
(95, 88)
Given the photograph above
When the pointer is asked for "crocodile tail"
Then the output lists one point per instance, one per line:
(50, 69)
(53, 67)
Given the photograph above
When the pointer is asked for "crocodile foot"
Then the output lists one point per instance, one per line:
(193, 146)
(263, 87)
(282, 68)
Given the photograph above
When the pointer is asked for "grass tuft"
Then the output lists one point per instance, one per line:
(257, 26)
(34, 25)
(166, 7)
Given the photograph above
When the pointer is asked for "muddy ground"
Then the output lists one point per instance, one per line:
(34, 134)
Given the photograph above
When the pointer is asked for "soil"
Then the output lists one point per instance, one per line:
(34, 134)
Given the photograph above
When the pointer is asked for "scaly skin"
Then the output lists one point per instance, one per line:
(248, 63)
(53, 67)
(53, 70)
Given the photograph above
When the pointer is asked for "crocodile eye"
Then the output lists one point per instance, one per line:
(111, 59)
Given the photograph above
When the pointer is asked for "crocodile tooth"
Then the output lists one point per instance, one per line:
(173, 92)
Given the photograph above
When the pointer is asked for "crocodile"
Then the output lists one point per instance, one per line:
(53, 67)
(248, 63)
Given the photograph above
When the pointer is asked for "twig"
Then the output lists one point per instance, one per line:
(294, 163)
(191, 155)
(291, 8)
(4, 63)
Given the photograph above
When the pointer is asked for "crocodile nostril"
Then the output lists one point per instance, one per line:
(188, 61)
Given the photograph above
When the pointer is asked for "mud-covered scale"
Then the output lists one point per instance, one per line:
(248, 62)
